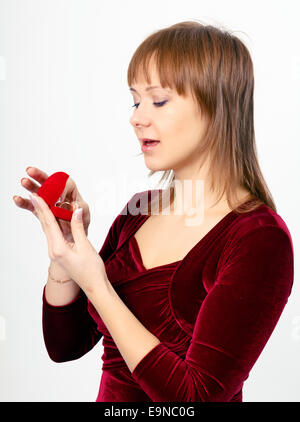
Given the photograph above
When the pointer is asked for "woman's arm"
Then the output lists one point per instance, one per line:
(233, 326)
(68, 329)
(59, 294)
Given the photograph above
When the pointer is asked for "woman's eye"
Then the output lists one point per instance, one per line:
(156, 104)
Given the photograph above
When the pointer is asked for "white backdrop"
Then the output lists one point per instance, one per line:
(65, 106)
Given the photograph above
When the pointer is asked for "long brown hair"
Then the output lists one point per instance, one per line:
(217, 68)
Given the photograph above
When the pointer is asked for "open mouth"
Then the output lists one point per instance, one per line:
(149, 142)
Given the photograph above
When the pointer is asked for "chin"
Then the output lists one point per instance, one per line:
(155, 166)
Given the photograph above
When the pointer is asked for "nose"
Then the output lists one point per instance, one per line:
(139, 118)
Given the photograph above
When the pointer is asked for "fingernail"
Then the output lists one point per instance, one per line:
(33, 200)
(78, 213)
(75, 205)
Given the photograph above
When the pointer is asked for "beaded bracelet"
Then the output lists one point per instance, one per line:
(57, 281)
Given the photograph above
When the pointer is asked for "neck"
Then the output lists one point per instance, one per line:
(193, 197)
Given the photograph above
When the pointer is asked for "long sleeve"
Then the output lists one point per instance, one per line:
(233, 325)
(69, 331)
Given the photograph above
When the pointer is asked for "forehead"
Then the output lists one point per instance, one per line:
(141, 79)
(141, 84)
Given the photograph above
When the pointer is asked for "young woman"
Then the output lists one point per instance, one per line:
(191, 280)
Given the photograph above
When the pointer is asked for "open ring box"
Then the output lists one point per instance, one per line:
(51, 191)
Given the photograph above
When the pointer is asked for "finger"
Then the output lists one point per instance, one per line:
(29, 185)
(85, 214)
(50, 227)
(77, 227)
(37, 174)
(23, 203)
(69, 192)
(35, 199)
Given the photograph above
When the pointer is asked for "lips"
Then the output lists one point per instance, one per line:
(148, 141)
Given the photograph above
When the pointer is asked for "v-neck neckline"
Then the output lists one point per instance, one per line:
(138, 252)
(228, 217)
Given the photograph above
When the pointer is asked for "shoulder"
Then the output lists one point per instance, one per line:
(263, 219)
(262, 229)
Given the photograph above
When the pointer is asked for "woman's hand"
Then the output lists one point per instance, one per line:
(79, 258)
(70, 194)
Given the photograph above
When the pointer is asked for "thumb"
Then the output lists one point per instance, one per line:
(77, 227)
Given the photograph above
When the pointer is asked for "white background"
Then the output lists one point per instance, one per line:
(65, 106)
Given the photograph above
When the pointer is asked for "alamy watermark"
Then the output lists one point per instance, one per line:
(189, 200)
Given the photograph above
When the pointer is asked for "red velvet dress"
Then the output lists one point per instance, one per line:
(213, 311)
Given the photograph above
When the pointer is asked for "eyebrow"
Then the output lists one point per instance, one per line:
(149, 88)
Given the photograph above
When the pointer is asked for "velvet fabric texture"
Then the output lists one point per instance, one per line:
(213, 311)
(51, 190)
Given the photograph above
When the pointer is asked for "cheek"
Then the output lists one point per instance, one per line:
(184, 134)
(174, 125)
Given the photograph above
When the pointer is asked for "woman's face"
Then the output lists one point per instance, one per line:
(176, 122)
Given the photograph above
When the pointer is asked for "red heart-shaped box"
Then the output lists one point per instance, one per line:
(51, 190)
